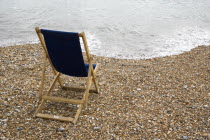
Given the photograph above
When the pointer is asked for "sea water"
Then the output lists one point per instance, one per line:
(133, 29)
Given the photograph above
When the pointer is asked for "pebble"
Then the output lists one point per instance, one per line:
(96, 128)
(185, 86)
(32, 127)
(61, 129)
(131, 93)
(185, 137)
(28, 119)
(137, 128)
(19, 128)
(4, 120)
(17, 110)
(205, 106)
(9, 114)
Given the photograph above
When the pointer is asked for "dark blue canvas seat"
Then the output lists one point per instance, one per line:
(65, 52)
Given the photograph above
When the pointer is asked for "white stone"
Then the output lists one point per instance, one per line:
(61, 129)
(96, 128)
(17, 110)
(205, 106)
(5, 120)
(185, 86)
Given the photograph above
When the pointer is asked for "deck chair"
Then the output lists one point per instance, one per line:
(63, 51)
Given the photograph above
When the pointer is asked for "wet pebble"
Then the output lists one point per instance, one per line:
(96, 128)
(19, 128)
(17, 110)
(205, 106)
(4, 120)
(185, 86)
(185, 137)
(61, 129)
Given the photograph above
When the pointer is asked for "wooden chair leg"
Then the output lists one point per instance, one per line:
(53, 84)
(43, 79)
(96, 85)
(87, 91)
(76, 116)
(89, 81)
(93, 72)
(40, 107)
(78, 113)
(48, 92)
(55, 73)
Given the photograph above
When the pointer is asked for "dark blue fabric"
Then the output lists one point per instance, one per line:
(87, 67)
(65, 52)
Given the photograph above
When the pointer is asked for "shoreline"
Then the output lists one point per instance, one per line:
(158, 98)
(116, 57)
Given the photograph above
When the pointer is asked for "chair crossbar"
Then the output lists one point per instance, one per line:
(63, 100)
(54, 117)
(78, 88)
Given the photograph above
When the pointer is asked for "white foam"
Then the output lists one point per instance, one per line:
(94, 43)
(180, 41)
(11, 42)
(167, 44)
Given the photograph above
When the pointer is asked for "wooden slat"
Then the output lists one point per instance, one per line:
(86, 47)
(54, 117)
(63, 100)
(89, 60)
(43, 79)
(53, 83)
(41, 40)
(80, 35)
(78, 88)
(94, 78)
(96, 68)
(89, 81)
(40, 106)
(77, 114)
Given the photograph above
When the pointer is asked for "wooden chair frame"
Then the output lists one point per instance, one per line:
(91, 77)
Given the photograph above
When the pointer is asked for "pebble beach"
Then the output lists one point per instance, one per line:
(159, 98)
